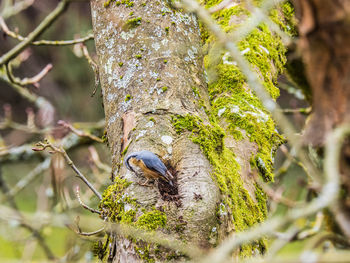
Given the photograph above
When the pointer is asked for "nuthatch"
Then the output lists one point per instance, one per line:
(150, 166)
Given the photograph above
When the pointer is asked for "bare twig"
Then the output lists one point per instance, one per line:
(16, 8)
(61, 7)
(14, 35)
(275, 196)
(222, 5)
(77, 193)
(60, 150)
(305, 111)
(96, 160)
(79, 132)
(93, 66)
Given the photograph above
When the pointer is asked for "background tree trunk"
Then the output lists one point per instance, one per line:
(156, 98)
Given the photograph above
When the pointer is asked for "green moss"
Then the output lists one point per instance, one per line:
(167, 30)
(210, 137)
(134, 22)
(165, 61)
(164, 89)
(152, 220)
(283, 16)
(116, 205)
(127, 3)
(138, 56)
(120, 64)
(152, 119)
(234, 104)
(131, 13)
(158, 79)
(128, 97)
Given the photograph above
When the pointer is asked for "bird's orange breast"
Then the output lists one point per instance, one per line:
(148, 173)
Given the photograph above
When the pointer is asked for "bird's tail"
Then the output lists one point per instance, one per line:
(169, 178)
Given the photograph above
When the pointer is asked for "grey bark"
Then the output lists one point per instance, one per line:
(136, 62)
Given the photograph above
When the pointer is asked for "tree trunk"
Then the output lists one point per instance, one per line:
(210, 135)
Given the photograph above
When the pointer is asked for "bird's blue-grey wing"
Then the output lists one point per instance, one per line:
(154, 163)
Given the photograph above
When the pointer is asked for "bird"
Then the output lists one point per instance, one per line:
(149, 165)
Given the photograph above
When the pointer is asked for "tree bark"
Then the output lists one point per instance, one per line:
(156, 98)
(324, 41)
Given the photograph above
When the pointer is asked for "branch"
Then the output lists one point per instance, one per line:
(14, 35)
(94, 67)
(79, 132)
(41, 167)
(61, 7)
(16, 8)
(84, 205)
(55, 149)
(4, 188)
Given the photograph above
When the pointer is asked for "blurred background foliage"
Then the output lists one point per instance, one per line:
(68, 86)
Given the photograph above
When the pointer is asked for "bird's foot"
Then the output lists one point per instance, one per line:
(145, 184)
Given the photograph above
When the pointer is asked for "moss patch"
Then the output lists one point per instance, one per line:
(244, 210)
(118, 206)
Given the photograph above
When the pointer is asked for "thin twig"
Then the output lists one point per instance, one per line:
(77, 193)
(60, 150)
(275, 196)
(48, 20)
(93, 66)
(79, 132)
(305, 111)
(14, 35)
(16, 8)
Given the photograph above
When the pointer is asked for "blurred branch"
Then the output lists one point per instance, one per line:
(127, 230)
(27, 81)
(14, 35)
(23, 223)
(305, 111)
(47, 144)
(94, 67)
(96, 160)
(48, 20)
(24, 152)
(79, 132)
(11, 10)
(274, 195)
(25, 181)
(30, 127)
